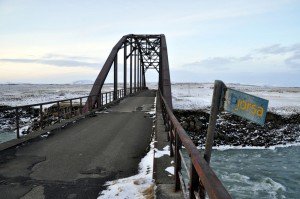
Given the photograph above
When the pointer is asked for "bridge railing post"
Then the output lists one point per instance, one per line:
(41, 116)
(90, 103)
(17, 123)
(58, 111)
(194, 185)
(80, 105)
(178, 145)
(99, 100)
(171, 138)
(71, 108)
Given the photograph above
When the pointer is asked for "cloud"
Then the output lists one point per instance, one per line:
(67, 57)
(219, 63)
(283, 55)
(215, 63)
(54, 62)
(293, 61)
(279, 49)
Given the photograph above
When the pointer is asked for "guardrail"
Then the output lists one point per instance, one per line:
(201, 176)
(48, 113)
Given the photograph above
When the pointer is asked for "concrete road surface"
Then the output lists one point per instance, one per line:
(78, 160)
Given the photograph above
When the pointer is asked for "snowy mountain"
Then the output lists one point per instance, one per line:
(83, 82)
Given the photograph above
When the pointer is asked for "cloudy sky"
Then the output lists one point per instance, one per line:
(61, 41)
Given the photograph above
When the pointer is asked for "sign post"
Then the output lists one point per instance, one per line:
(241, 104)
(214, 111)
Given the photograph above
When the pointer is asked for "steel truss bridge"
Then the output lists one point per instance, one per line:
(138, 53)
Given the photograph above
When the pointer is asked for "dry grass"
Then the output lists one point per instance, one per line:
(149, 193)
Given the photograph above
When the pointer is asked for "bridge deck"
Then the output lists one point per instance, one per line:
(77, 161)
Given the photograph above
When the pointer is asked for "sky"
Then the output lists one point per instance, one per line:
(62, 41)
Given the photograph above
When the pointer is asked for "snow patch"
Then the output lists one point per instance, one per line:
(170, 170)
(137, 186)
(160, 153)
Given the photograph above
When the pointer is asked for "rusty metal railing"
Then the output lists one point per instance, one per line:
(202, 178)
(48, 113)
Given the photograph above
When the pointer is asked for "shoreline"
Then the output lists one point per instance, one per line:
(238, 133)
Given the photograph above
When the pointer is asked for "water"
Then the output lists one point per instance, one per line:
(259, 173)
(6, 136)
(256, 173)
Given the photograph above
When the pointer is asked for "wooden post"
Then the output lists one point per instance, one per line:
(215, 108)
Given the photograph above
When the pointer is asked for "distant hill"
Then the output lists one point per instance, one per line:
(83, 82)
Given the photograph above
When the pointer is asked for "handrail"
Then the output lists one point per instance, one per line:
(52, 102)
(68, 112)
(202, 177)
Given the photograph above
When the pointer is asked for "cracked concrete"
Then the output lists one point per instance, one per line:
(76, 162)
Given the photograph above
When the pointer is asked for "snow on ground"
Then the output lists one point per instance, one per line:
(282, 100)
(170, 170)
(137, 186)
(24, 94)
(165, 151)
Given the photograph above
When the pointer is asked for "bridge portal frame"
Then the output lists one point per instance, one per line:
(146, 52)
